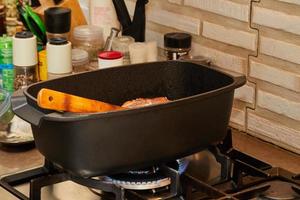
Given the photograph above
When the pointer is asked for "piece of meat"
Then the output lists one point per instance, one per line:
(142, 102)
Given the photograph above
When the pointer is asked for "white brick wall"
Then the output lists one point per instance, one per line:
(291, 1)
(176, 1)
(238, 117)
(182, 22)
(222, 59)
(230, 35)
(272, 64)
(280, 49)
(277, 76)
(278, 104)
(246, 93)
(222, 7)
(274, 131)
(276, 19)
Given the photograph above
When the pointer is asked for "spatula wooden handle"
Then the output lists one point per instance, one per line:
(54, 100)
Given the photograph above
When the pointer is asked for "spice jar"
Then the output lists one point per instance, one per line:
(59, 57)
(80, 60)
(109, 59)
(24, 59)
(122, 44)
(88, 38)
(177, 45)
(58, 22)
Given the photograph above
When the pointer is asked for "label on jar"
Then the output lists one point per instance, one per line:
(42, 68)
(8, 76)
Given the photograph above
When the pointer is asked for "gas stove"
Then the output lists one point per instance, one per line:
(220, 172)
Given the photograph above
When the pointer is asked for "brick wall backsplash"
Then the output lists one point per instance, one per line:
(257, 38)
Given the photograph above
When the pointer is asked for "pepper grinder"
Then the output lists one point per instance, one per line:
(59, 57)
(24, 59)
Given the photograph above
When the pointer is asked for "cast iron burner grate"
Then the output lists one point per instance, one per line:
(242, 177)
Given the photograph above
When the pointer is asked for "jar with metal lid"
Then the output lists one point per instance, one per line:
(24, 59)
(89, 38)
(177, 45)
(80, 60)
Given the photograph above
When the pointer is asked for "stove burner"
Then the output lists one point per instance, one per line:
(280, 190)
(241, 177)
(146, 179)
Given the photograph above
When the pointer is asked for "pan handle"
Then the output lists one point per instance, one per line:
(239, 81)
(21, 108)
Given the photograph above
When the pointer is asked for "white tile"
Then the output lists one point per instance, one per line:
(276, 19)
(221, 59)
(282, 135)
(277, 76)
(278, 104)
(222, 7)
(176, 1)
(246, 93)
(178, 21)
(291, 1)
(280, 49)
(238, 116)
(229, 35)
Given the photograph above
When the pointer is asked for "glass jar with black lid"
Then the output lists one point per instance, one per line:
(177, 45)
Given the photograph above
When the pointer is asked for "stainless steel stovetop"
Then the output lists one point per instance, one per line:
(217, 173)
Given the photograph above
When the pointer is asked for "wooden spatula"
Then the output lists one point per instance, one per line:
(54, 100)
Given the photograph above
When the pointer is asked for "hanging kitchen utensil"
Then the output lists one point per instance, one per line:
(32, 22)
(55, 100)
(136, 27)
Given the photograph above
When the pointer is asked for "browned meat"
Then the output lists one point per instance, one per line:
(141, 102)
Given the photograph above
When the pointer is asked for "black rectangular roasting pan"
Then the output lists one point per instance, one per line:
(90, 145)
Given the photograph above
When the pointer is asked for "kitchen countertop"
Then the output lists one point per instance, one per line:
(13, 161)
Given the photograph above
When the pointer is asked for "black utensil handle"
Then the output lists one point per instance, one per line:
(122, 13)
(21, 108)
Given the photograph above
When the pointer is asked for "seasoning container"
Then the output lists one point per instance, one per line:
(24, 59)
(109, 59)
(58, 22)
(88, 38)
(177, 45)
(152, 51)
(2, 19)
(138, 52)
(59, 57)
(121, 44)
(80, 60)
(43, 70)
